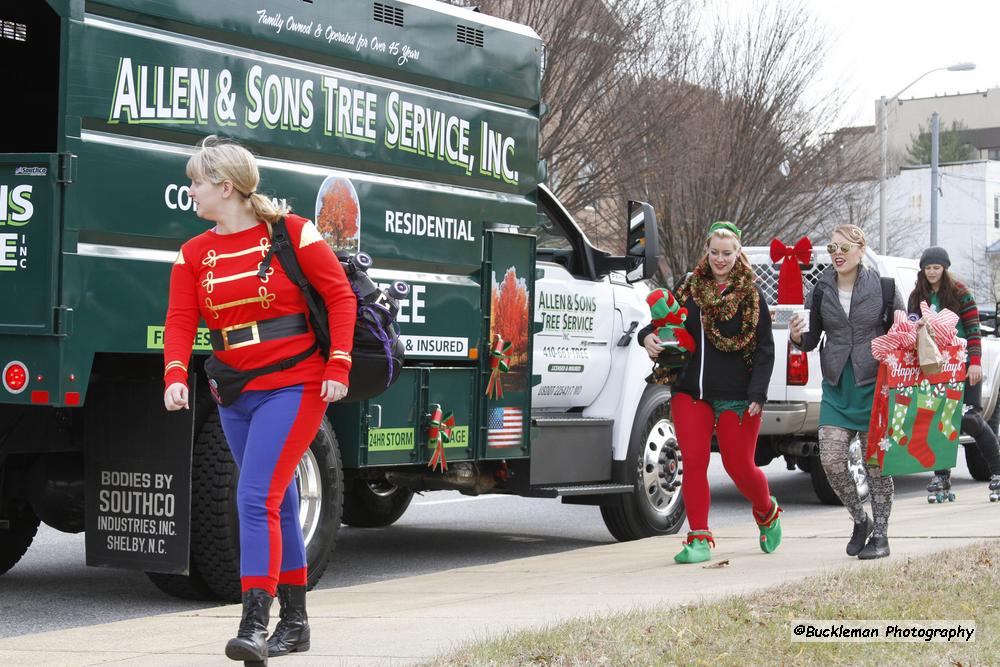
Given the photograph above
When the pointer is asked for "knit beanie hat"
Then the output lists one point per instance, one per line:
(935, 255)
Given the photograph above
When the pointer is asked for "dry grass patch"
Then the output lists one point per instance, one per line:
(755, 629)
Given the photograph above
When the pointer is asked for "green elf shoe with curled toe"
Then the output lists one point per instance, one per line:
(696, 547)
(770, 527)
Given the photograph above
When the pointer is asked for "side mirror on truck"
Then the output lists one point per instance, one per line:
(642, 246)
(642, 243)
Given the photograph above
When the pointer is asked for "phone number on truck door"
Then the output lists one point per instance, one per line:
(565, 352)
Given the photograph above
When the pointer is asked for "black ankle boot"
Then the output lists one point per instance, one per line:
(860, 536)
(877, 547)
(291, 635)
(250, 642)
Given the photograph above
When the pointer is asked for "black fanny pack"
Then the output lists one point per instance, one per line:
(226, 383)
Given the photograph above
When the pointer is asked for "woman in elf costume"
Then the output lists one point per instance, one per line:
(939, 288)
(847, 304)
(723, 387)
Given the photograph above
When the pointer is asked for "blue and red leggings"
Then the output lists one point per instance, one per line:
(737, 435)
(268, 431)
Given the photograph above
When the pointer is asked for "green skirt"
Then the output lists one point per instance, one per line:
(847, 405)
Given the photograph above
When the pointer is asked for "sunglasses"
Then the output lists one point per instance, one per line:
(843, 247)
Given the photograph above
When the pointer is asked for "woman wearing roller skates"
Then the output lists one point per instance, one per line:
(848, 304)
(723, 386)
(258, 322)
(939, 288)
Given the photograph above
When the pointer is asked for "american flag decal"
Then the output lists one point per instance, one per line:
(505, 427)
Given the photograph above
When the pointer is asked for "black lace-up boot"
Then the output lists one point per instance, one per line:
(250, 642)
(860, 536)
(291, 635)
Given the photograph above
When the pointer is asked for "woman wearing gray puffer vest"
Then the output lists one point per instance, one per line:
(851, 311)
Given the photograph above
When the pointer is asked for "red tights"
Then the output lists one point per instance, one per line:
(694, 421)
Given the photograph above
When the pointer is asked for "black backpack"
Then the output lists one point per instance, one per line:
(377, 356)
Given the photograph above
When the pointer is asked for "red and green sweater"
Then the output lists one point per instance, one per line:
(214, 279)
(968, 322)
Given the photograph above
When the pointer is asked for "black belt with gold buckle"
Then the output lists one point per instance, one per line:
(251, 333)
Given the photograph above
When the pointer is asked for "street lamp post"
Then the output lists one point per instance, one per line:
(883, 130)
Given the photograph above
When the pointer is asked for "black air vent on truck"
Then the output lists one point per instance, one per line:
(15, 31)
(388, 14)
(471, 36)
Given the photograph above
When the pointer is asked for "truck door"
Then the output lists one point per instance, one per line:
(29, 242)
(31, 181)
(574, 319)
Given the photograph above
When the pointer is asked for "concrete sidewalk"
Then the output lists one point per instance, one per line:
(408, 620)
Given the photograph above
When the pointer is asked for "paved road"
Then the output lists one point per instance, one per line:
(51, 588)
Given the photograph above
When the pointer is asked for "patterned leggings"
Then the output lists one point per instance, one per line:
(834, 443)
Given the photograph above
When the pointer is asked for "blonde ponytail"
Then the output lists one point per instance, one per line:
(264, 209)
(218, 160)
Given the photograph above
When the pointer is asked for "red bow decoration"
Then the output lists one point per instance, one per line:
(790, 276)
(438, 434)
(500, 354)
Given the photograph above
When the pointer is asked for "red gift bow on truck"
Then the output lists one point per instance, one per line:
(902, 335)
(438, 434)
(500, 354)
(790, 275)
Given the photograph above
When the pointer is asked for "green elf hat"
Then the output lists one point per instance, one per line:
(728, 226)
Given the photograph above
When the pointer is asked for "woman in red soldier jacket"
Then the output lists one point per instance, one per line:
(257, 318)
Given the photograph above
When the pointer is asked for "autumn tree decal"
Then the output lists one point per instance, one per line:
(509, 308)
(339, 215)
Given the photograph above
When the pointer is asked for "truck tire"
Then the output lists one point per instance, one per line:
(374, 503)
(183, 586)
(215, 543)
(191, 586)
(15, 540)
(655, 507)
(978, 468)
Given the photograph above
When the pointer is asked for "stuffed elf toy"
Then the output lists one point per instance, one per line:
(668, 318)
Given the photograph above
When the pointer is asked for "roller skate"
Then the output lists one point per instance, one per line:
(939, 490)
(994, 488)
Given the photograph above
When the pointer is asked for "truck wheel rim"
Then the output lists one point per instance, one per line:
(661, 455)
(381, 488)
(310, 487)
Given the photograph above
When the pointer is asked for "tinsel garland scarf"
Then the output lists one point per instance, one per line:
(739, 298)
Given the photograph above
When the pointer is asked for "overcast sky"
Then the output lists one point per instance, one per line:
(879, 46)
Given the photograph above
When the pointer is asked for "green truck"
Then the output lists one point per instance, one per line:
(407, 130)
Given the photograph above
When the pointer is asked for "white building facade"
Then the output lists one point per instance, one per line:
(968, 221)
